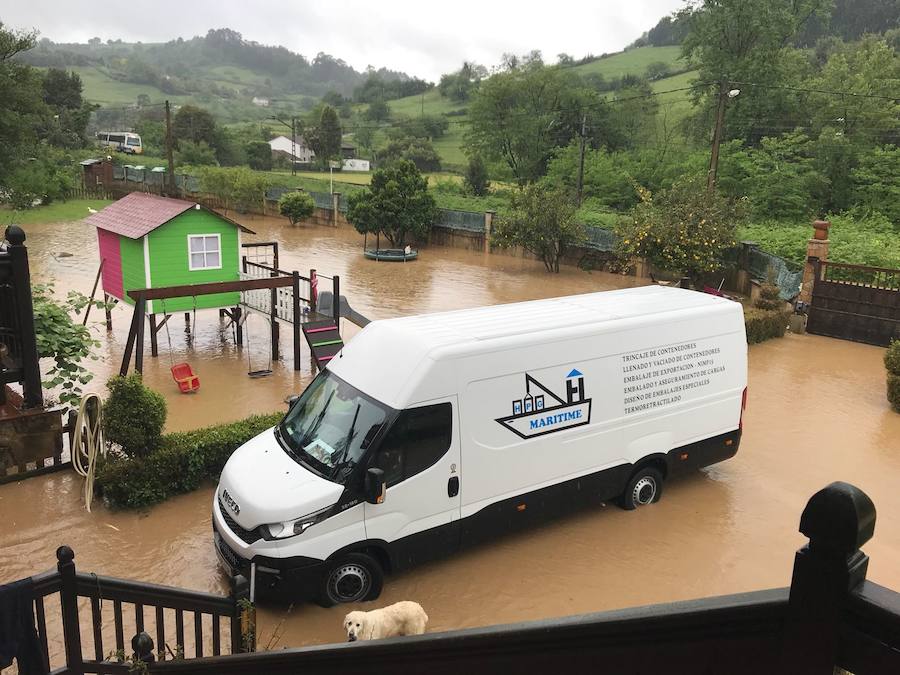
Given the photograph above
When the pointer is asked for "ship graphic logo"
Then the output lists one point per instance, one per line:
(541, 411)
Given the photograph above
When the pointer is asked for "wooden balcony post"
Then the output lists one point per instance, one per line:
(68, 601)
(838, 520)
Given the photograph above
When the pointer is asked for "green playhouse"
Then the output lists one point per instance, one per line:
(147, 241)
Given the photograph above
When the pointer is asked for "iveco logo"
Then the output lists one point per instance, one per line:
(233, 505)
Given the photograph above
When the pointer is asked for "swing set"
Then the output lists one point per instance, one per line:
(187, 380)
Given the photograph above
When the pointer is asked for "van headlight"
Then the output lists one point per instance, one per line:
(292, 528)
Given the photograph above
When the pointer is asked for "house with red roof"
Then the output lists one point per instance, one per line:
(147, 241)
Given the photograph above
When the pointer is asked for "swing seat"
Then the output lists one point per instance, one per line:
(184, 376)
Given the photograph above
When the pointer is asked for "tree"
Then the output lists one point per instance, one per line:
(259, 155)
(296, 206)
(875, 182)
(21, 93)
(419, 151)
(684, 229)
(476, 179)
(378, 111)
(657, 70)
(330, 135)
(396, 204)
(62, 90)
(196, 154)
(194, 124)
(365, 138)
(542, 221)
(519, 117)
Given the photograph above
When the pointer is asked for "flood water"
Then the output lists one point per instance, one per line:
(817, 413)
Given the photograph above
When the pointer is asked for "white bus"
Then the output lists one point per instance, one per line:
(427, 434)
(123, 141)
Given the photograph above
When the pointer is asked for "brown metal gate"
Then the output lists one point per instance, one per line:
(855, 302)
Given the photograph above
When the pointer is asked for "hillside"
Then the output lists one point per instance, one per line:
(633, 62)
(221, 71)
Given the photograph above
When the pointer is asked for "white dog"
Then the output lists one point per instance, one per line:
(401, 618)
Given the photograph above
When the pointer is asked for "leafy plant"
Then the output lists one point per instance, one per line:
(65, 341)
(684, 229)
(892, 363)
(542, 221)
(476, 180)
(296, 206)
(180, 464)
(133, 416)
(769, 294)
(764, 324)
(397, 204)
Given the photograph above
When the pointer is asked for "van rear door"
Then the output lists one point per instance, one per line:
(419, 517)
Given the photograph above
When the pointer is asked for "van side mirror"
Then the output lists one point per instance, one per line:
(375, 487)
(291, 400)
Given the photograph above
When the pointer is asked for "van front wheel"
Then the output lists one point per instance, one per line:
(645, 487)
(351, 578)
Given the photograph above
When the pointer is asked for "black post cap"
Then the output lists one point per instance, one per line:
(15, 235)
(838, 518)
(65, 554)
(142, 645)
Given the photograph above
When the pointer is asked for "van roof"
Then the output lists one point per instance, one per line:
(386, 359)
(552, 314)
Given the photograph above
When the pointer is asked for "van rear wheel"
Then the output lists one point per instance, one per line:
(645, 487)
(351, 578)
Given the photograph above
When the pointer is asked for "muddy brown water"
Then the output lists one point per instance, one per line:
(817, 413)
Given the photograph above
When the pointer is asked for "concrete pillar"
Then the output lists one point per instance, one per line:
(335, 211)
(816, 249)
(488, 229)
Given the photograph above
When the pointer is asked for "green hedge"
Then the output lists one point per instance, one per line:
(892, 363)
(764, 324)
(180, 464)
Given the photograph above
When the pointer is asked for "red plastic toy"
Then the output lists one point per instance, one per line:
(184, 376)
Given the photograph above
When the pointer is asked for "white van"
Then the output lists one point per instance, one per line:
(430, 433)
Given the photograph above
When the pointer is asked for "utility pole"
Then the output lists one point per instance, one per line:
(717, 137)
(293, 146)
(581, 158)
(170, 157)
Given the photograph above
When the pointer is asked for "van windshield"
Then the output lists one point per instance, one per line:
(330, 427)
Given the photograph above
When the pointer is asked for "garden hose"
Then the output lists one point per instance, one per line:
(88, 443)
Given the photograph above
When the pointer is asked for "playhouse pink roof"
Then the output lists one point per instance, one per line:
(138, 213)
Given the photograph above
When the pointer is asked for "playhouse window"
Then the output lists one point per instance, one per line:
(205, 251)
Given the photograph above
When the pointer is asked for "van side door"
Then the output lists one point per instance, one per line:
(419, 517)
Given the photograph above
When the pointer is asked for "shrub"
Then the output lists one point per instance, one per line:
(892, 358)
(296, 206)
(133, 416)
(892, 363)
(476, 180)
(180, 464)
(764, 324)
(893, 391)
(769, 294)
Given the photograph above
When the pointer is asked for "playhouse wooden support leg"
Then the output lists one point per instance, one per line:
(129, 343)
(154, 348)
(141, 310)
(275, 345)
(107, 310)
(187, 321)
(238, 329)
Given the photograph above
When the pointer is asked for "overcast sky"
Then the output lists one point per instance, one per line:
(421, 38)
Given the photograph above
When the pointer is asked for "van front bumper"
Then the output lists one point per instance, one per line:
(299, 575)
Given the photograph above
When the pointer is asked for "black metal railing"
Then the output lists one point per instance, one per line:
(162, 622)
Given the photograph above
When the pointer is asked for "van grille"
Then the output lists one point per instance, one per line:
(247, 536)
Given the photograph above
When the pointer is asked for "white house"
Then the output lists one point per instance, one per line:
(301, 153)
(260, 101)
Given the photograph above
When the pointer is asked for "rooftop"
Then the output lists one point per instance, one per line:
(139, 213)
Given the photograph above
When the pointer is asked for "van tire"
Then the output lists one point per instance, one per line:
(644, 487)
(352, 577)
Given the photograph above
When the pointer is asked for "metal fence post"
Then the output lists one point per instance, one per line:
(68, 601)
(295, 327)
(336, 307)
(838, 520)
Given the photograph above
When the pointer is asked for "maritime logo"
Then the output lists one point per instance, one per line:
(540, 411)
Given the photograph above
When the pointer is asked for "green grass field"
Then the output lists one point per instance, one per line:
(57, 212)
(632, 62)
(100, 88)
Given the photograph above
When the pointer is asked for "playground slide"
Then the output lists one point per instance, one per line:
(325, 306)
